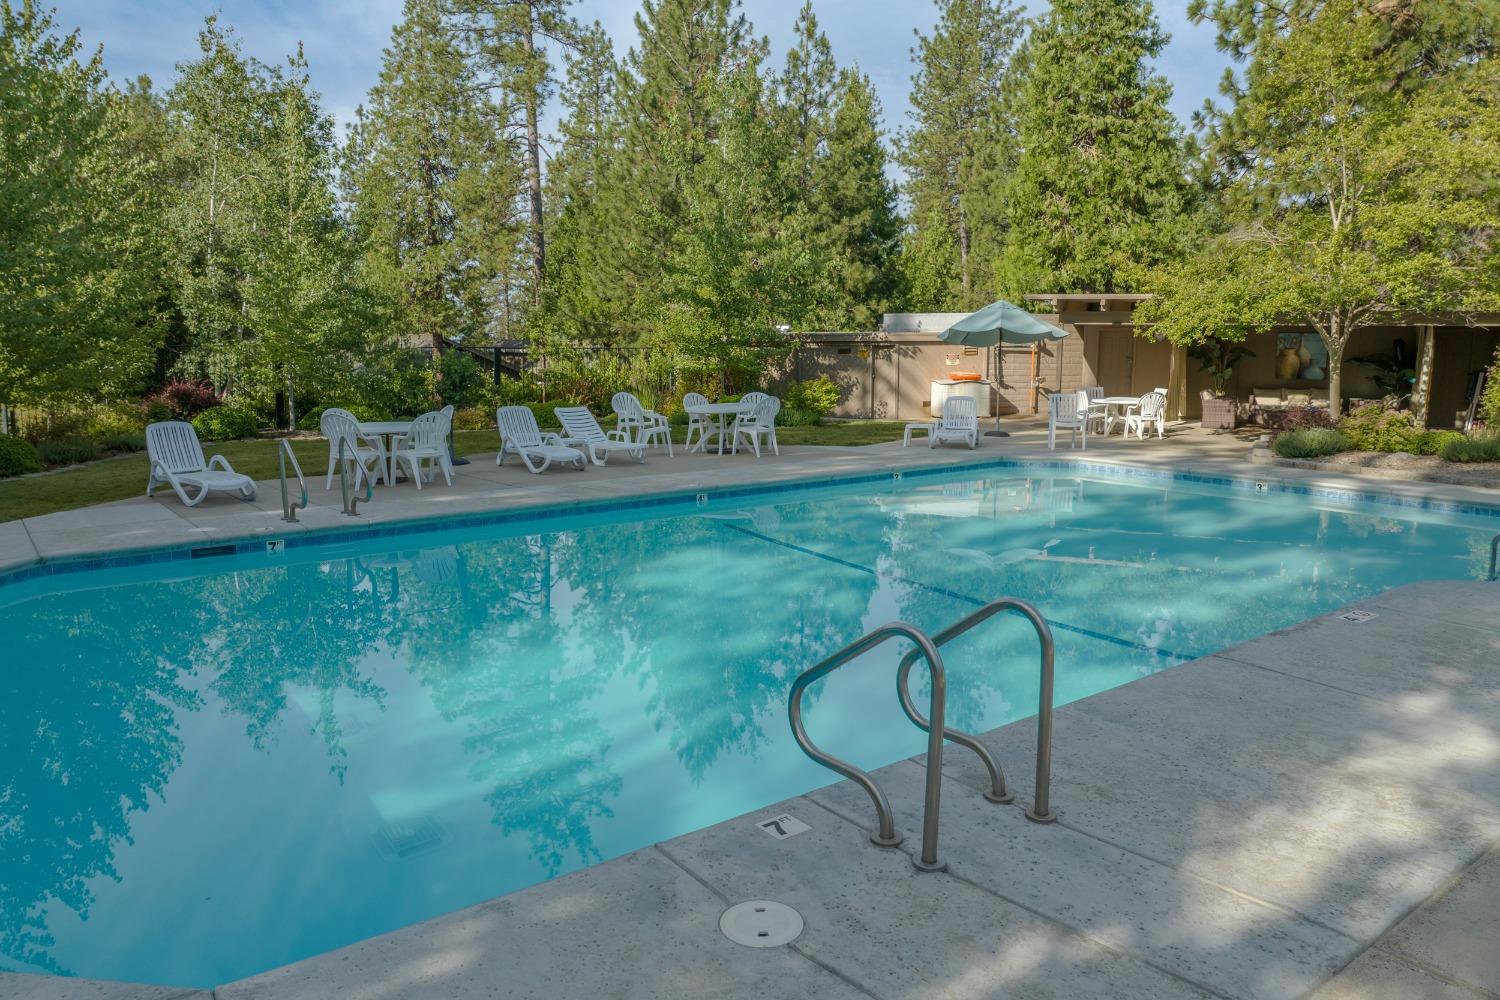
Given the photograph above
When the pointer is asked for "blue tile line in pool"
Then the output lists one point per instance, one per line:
(339, 536)
(1166, 654)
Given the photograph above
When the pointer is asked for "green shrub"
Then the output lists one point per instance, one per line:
(115, 419)
(67, 451)
(796, 416)
(225, 423)
(1312, 442)
(819, 396)
(545, 418)
(679, 418)
(473, 418)
(1375, 428)
(311, 420)
(1433, 442)
(116, 443)
(17, 456)
(157, 411)
(1478, 449)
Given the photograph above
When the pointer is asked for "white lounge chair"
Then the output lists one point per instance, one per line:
(1152, 409)
(633, 422)
(1068, 411)
(367, 453)
(424, 445)
(959, 423)
(177, 460)
(520, 435)
(758, 421)
(580, 429)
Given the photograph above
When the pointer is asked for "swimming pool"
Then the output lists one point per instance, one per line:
(215, 766)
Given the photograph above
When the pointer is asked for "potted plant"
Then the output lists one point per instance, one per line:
(1218, 358)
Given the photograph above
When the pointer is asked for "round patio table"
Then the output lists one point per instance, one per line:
(1109, 405)
(388, 430)
(721, 411)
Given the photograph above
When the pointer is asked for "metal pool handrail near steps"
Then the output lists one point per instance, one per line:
(1494, 551)
(1041, 809)
(289, 507)
(352, 500)
(885, 835)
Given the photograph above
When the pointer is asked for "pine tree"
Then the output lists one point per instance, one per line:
(958, 118)
(1098, 192)
(416, 175)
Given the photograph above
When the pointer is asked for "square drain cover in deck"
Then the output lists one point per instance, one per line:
(761, 923)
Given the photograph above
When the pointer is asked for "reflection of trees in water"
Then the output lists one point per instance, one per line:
(716, 621)
(493, 648)
(306, 625)
(87, 733)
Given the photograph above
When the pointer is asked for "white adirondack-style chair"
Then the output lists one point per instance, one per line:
(424, 446)
(581, 430)
(520, 435)
(959, 423)
(368, 453)
(633, 422)
(1096, 413)
(177, 460)
(757, 422)
(1068, 411)
(1152, 409)
(698, 423)
(358, 442)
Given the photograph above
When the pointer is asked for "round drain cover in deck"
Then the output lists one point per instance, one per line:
(761, 923)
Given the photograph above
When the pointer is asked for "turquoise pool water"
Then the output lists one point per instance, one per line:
(211, 768)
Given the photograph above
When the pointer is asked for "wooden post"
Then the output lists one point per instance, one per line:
(1177, 383)
(1036, 352)
(1421, 393)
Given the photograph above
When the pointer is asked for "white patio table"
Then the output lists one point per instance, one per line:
(1114, 408)
(721, 411)
(388, 430)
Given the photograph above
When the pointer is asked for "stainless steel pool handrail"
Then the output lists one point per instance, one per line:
(1494, 551)
(352, 500)
(1041, 810)
(289, 507)
(885, 834)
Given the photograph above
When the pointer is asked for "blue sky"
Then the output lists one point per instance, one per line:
(344, 39)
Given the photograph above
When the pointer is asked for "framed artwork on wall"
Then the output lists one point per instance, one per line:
(1301, 356)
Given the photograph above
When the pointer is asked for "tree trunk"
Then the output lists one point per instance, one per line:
(963, 250)
(1421, 395)
(1335, 339)
(534, 173)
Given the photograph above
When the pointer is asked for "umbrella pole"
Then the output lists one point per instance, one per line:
(995, 389)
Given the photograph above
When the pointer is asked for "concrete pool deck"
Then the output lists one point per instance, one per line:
(1314, 813)
(160, 521)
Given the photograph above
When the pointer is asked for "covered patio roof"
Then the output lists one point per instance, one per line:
(1092, 308)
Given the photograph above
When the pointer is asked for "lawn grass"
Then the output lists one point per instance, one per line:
(125, 476)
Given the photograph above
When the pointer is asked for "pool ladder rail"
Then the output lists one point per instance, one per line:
(289, 507)
(1494, 551)
(933, 723)
(352, 499)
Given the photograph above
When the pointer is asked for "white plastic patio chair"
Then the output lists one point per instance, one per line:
(359, 442)
(700, 423)
(1097, 413)
(1152, 409)
(423, 445)
(580, 429)
(367, 452)
(758, 421)
(1068, 411)
(520, 435)
(633, 422)
(177, 460)
(958, 423)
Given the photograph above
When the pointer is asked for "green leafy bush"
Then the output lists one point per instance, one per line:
(67, 451)
(819, 396)
(1375, 428)
(312, 419)
(116, 443)
(17, 456)
(1433, 442)
(1312, 442)
(473, 418)
(545, 418)
(157, 411)
(225, 423)
(796, 416)
(114, 420)
(1477, 449)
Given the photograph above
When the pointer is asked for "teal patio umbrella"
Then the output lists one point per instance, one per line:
(1000, 323)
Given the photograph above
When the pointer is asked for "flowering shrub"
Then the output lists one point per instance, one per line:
(182, 400)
